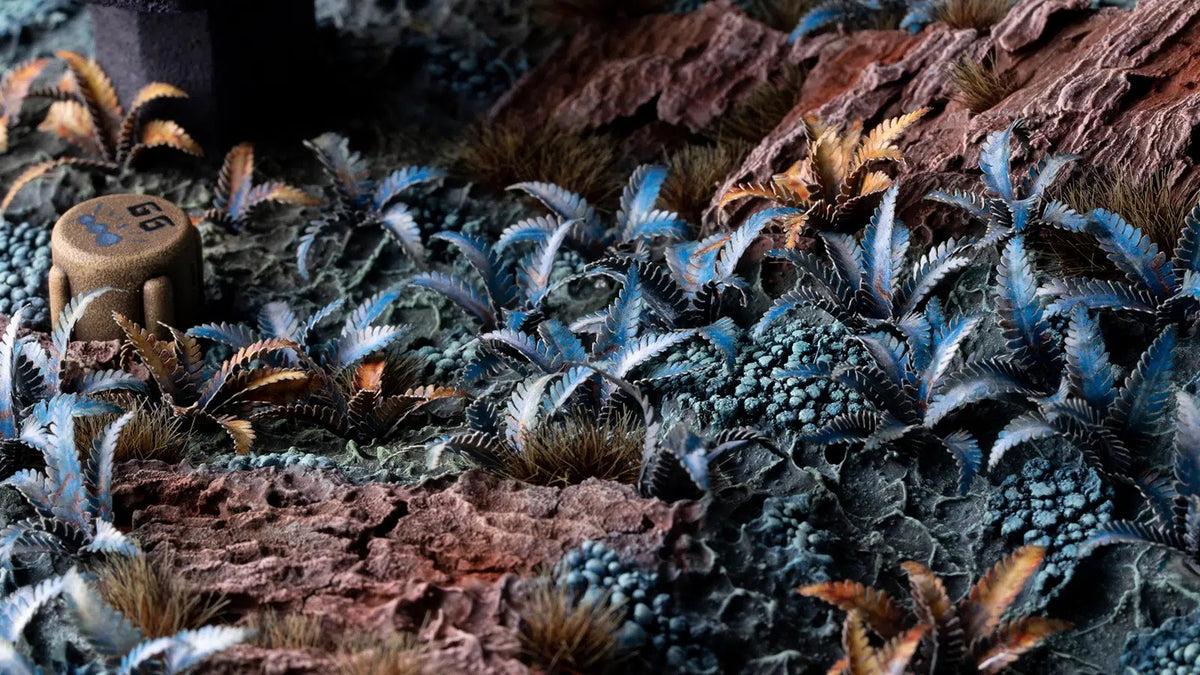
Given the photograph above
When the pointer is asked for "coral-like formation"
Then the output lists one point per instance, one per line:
(788, 547)
(745, 393)
(477, 76)
(1053, 506)
(24, 264)
(280, 460)
(1173, 647)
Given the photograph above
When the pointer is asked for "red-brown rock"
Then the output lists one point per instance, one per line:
(382, 557)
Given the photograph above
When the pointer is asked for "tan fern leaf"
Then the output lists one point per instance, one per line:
(97, 93)
(276, 191)
(240, 431)
(152, 92)
(796, 180)
(16, 85)
(163, 134)
(794, 227)
(275, 386)
(71, 121)
(881, 138)
(369, 375)
(3, 135)
(848, 142)
(237, 173)
(935, 608)
(840, 667)
(431, 392)
(860, 657)
(771, 191)
(36, 171)
(873, 182)
(893, 658)
(825, 170)
(190, 358)
(1017, 637)
(877, 607)
(158, 357)
(992, 595)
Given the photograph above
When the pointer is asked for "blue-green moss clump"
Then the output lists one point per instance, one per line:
(1173, 648)
(592, 570)
(24, 266)
(788, 547)
(1055, 506)
(747, 393)
(476, 76)
(16, 15)
(279, 460)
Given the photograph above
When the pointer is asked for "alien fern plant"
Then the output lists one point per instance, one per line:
(968, 636)
(866, 284)
(360, 201)
(1175, 505)
(838, 184)
(14, 88)
(242, 385)
(1011, 204)
(88, 116)
(237, 196)
(72, 502)
(116, 645)
(1107, 423)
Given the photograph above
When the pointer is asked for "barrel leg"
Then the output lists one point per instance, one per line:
(158, 305)
(60, 293)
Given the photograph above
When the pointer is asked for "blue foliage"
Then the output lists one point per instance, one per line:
(865, 284)
(24, 267)
(1011, 203)
(916, 15)
(1054, 506)
(360, 200)
(72, 501)
(1173, 647)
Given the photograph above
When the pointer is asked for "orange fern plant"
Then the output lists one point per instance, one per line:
(88, 115)
(963, 637)
(244, 384)
(839, 184)
(237, 195)
(14, 88)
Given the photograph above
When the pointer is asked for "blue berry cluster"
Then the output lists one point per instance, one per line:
(448, 356)
(279, 460)
(1054, 506)
(1171, 649)
(790, 548)
(747, 393)
(593, 570)
(24, 265)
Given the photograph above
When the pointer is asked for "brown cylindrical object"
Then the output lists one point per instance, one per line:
(143, 246)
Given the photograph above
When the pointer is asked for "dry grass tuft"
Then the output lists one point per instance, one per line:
(289, 630)
(577, 448)
(400, 654)
(1150, 204)
(501, 154)
(977, 14)
(756, 115)
(572, 14)
(695, 173)
(563, 634)
(153, 433)
(154, 597)
(782, 15)
(980, 85)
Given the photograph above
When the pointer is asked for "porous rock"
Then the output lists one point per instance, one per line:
(443, 554)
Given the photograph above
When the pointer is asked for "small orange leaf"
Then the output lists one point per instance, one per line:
(878, 142)
(369, 375)
(15, 86)
(934, 607)
(154, 91)
(282, 192)
(992, 595)
(165, 133)
(97, 92)
(236, 178)
(71, 121)
(895, 656)
(860, 657)
(1017, 637)
(877, 607)
(240, 431)
(875, 181)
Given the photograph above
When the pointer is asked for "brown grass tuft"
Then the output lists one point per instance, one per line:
(400, 654)
(501, 154)
(290, 630)
(565, 635)
(577, 448)
(153, 433)
(782, 15)
(1150, 204)
(695, 173)
(155, 597)
(756, 115)
(977, 14)
(980, 85)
